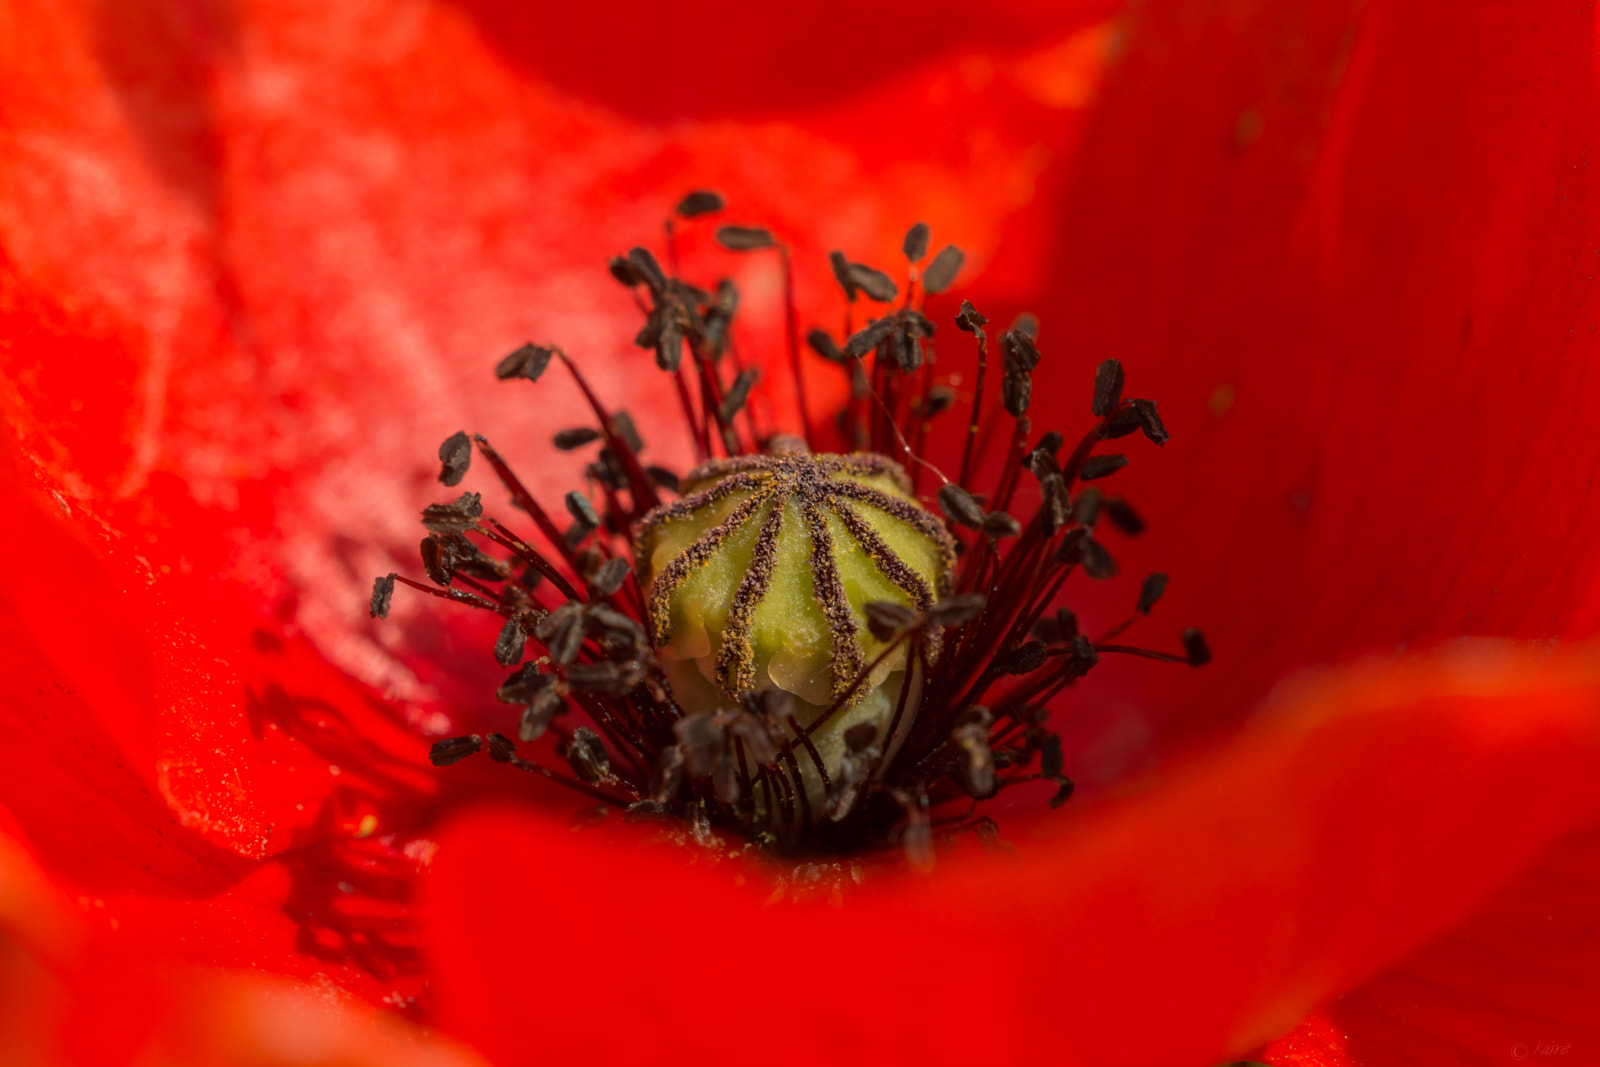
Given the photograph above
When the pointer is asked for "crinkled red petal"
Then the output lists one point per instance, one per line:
(1519, 981)
(1364, 814)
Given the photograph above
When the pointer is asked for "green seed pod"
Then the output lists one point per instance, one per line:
(758, 578)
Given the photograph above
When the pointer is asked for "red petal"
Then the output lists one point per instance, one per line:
(1347, 247)
(1363, 814)
(1521, 979)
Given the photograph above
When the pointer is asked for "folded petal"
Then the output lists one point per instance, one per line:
(1519, 979)
(1364, 813)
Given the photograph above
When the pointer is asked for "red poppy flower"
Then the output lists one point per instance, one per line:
(255, 261)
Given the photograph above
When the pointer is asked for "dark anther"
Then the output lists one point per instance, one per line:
(1027, 323)
(1124, 517)
(757, 737)
(1047, 630)
(977, 769)
(958, 504)
(1151, 592)
(627, 430)
(1084, 655)
(956, 610)
(938, 401)
(1107, 387)
(537, 715)
(614, 628)
(524, 684)
(607, 471)
(668, 775)
(1070, 550)
(623, 271)
(562, 632)
(887, 619)
(448, 750)
(907, 350)
(699, 202)
(1101, 466)
(968, 318)
(606, 678)
(917, 324)
(1020, 351)
(998, 524)
(860, 736)
(1086, 509)
(1195, 647)
(1042, 463)
(1015, 389)
(734, 399)
(1064, 788)
(577, 437)
(1051, 442)
(876, 284)
(582, 511)
(860, 756)
(1097, 562)
(461, 556)
(700, 740)
(664, 478)
(915, 246)
(775, 705)
(1051, 761)
(457, 517)
(744, 238)
(869, 336)
(501, 750)
(720, 316)
(841, 274)
(822, 344)
(669, 346)
(648, 269)
(586, 754)
(1150, 422)
(941, 273)
(528, 362)
(433, 561)
(382, 593)
(1068, 621)
(455, 456)
(1123, 422)
(1028, 656)
(1057, 505)
(609, 576)
(508, 646)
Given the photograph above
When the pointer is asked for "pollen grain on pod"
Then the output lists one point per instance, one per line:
(820, 650)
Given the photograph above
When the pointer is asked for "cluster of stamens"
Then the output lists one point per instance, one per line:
(796, 647)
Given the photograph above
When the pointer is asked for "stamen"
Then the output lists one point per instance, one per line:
(895, 739)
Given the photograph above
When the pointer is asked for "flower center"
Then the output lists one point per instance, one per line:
(800, 649)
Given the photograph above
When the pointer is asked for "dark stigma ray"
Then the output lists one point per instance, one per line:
(727, 467)
(869, 464)
(908, 513)
(892, 567)
(696, 555)
(888, 562)
(848, 658)
(692, 502)
(736, 659)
